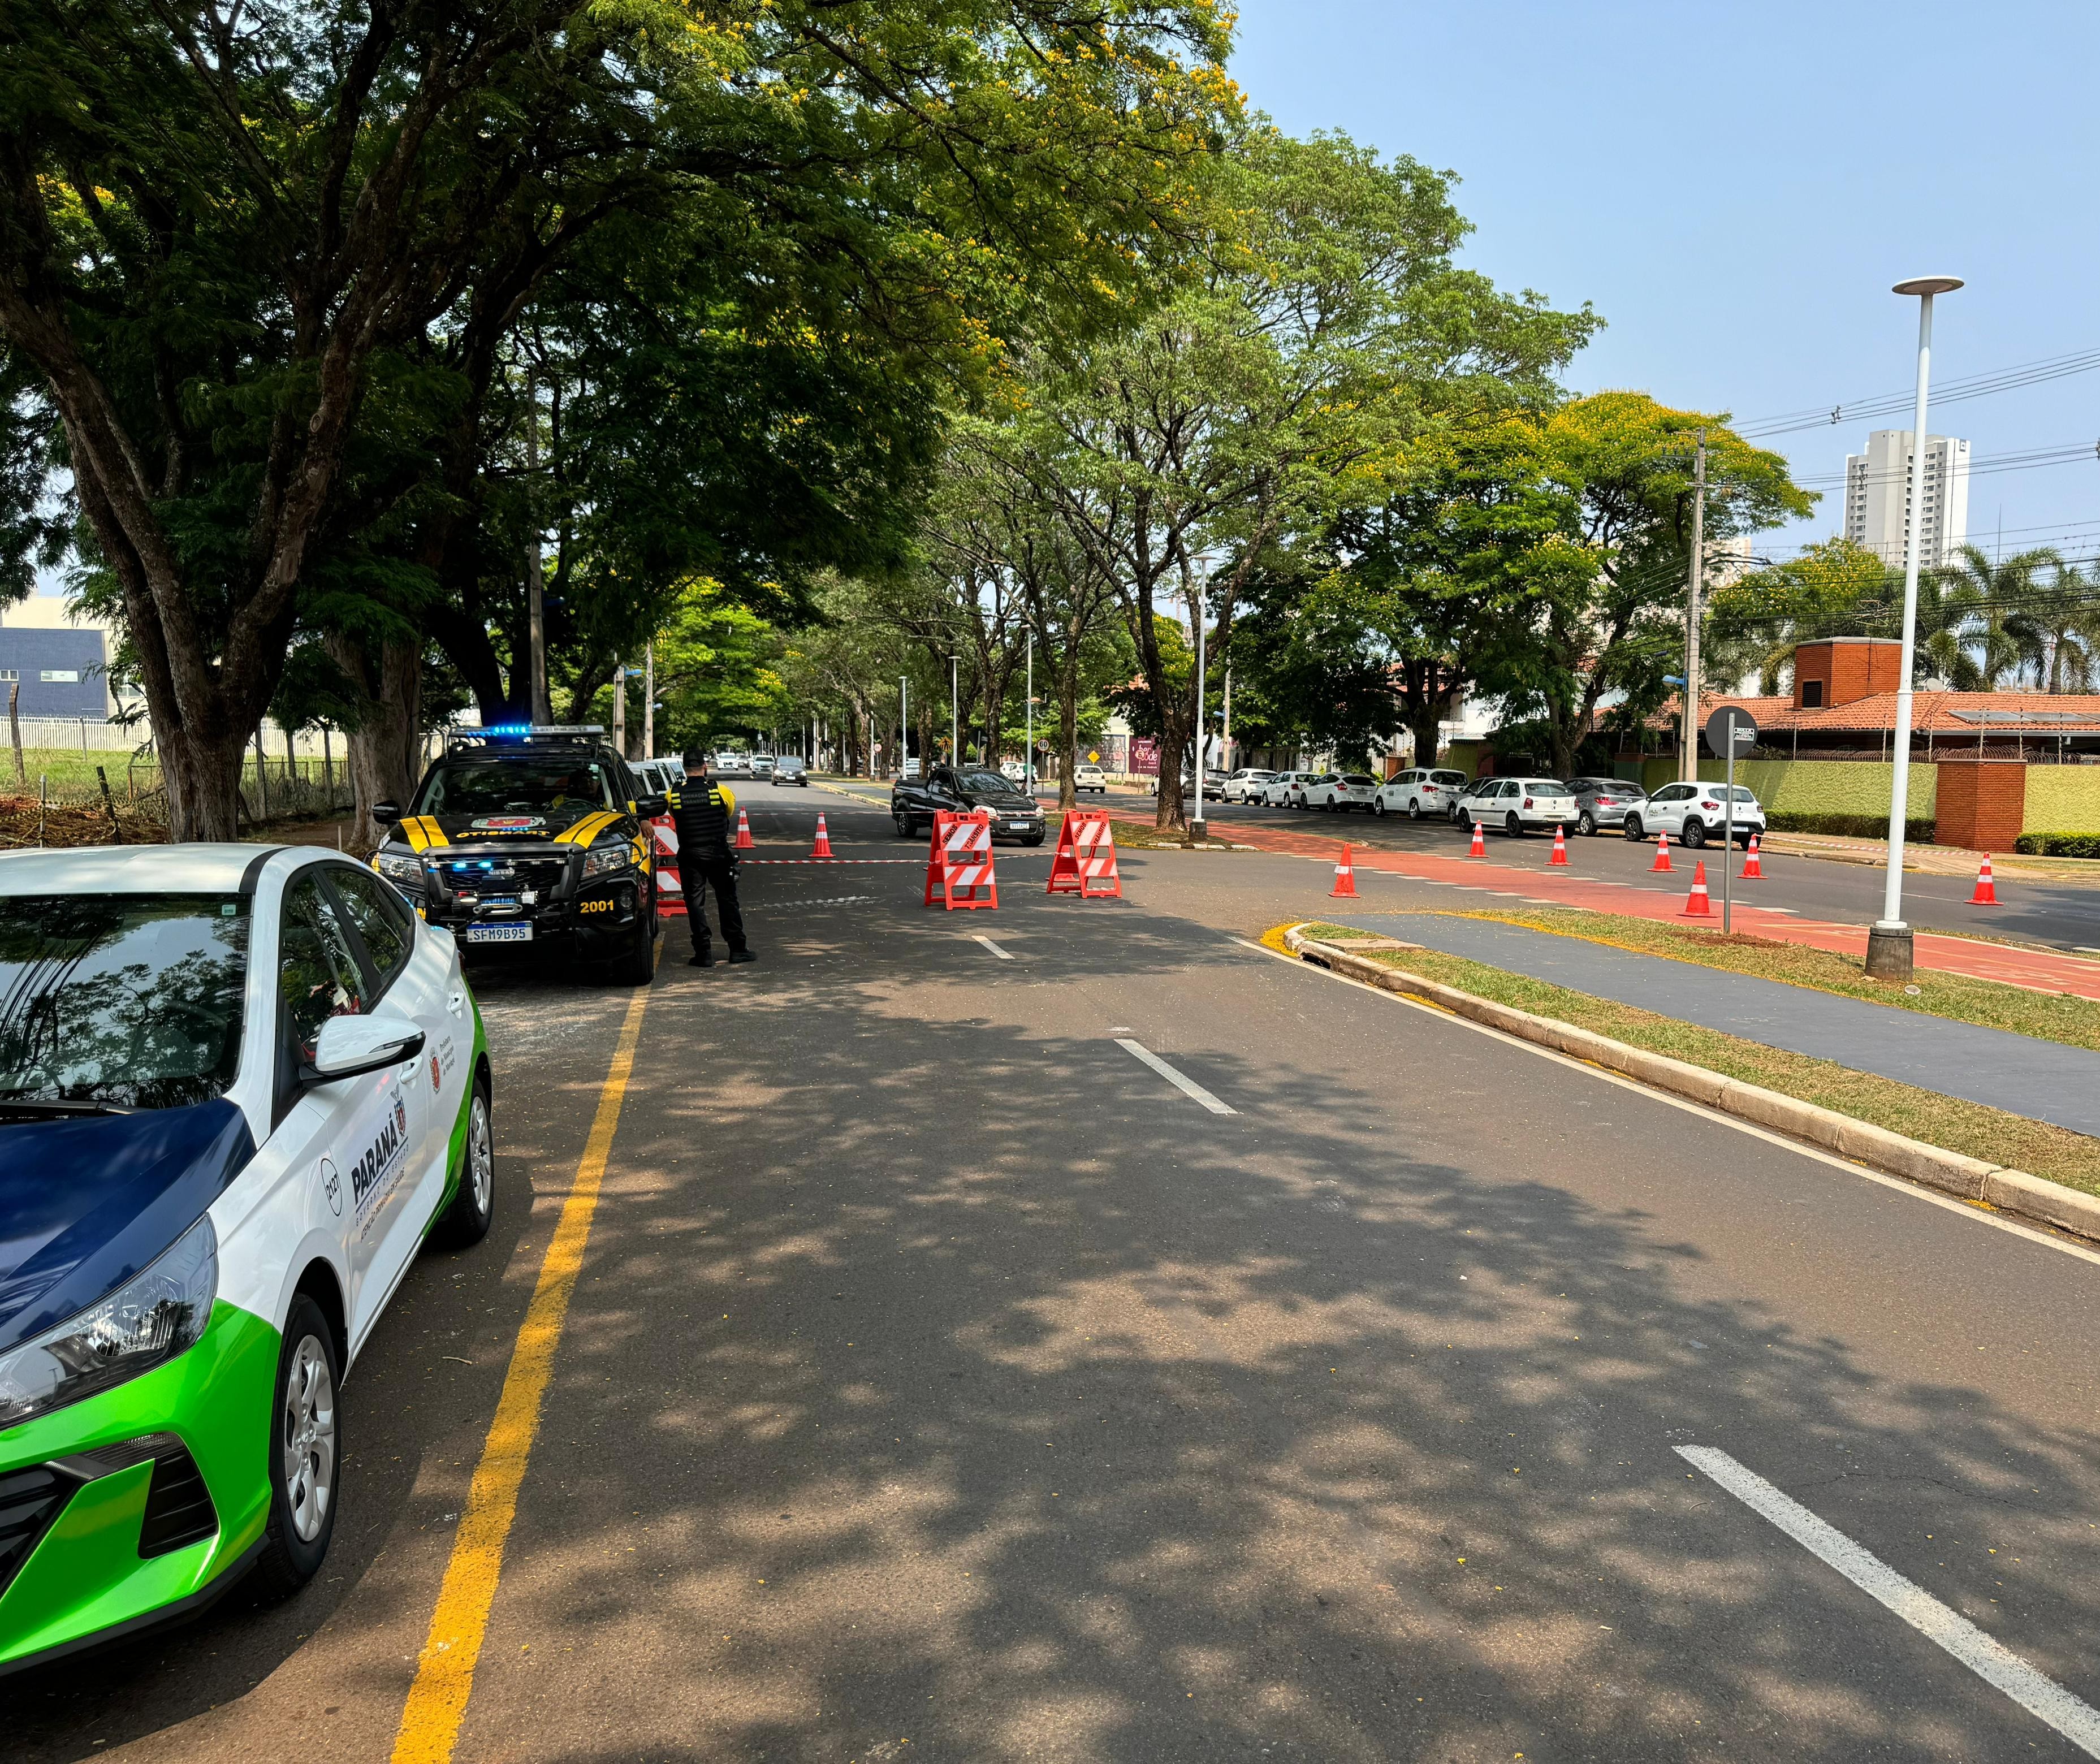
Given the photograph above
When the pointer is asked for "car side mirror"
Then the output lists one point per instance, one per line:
(652, 805)
(386, 814)
(348, 1046)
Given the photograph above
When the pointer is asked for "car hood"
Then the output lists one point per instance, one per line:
(1005, 801)
(563, 825)
(88, 1202)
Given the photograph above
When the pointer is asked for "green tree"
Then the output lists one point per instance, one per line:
(1317, 330)
(234, 241)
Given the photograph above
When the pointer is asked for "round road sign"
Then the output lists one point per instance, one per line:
(1717, 731)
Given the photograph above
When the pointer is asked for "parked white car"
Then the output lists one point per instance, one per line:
(1516, 805)
(1693, 813)
(1286, 789)
(1246, 785)
(1086, 775)
(1419, 792)
(1339, 792)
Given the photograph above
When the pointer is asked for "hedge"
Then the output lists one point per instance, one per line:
(1917, 833)
(2058, 845)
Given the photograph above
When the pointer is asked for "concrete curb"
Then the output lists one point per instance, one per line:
(2015, 1191)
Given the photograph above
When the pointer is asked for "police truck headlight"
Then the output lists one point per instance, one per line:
(404, 869)
(141, 1326)
(608, 860)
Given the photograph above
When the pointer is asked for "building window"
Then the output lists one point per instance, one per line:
(7, 674)
(60, 676)
(1811, 694)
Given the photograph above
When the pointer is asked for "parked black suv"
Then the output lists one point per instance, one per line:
(532, 835)
(1015, 814)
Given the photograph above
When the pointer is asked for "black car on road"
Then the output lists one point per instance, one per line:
(914, 802)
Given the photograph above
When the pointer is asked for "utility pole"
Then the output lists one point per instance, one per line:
(903, 724)
(1028, 753)
(1197, 830)
(542, 709)
(620, 709)
(649, 700)
(954, 710)
(1225, 748)
(1687, 746)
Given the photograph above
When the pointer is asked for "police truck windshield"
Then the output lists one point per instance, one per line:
(515, 785)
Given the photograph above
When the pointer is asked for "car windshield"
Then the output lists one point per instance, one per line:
(1360, 780)
(516, 786)
(1722, 791)
(134, 1000)
(1546, 786)
(1447, 777)
(985, 781)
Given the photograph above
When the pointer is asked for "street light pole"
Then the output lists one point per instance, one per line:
(1198, 830)
(903, 724)
(954, 710)
(1687, 758)
(1028, 713)
(649, 700)
(1889, 942)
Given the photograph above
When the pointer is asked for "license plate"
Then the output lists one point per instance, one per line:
(498, 934)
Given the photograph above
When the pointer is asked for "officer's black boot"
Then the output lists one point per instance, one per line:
(741, 956)
(703, 957)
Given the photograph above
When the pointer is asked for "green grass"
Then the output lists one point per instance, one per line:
(2049, 1016)
(1971, 1129)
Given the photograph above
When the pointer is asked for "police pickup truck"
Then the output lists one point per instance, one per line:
(531, 834)
(960, 789)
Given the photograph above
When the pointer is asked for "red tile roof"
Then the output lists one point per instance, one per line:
(1943, 713)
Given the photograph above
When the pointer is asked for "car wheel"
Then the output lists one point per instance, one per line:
(1464, 817)
(1585, 822)
(1633, 827)
(1694, 834)
(1378, 807)
(1037, 837)
(1415, 808)
(466, 1221)
(1513, 826)
(636, 965)
(902, 823)
(305, 1454)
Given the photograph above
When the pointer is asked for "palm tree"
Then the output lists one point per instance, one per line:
(2060, 627)
(1991, 597)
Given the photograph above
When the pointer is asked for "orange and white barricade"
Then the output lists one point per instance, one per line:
(670, 886)
(1085, 864)
(959, 861)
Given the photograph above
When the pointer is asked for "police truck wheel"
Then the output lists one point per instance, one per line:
(305, 1449)
(636, 966)
(466, 1221)
(903, 822)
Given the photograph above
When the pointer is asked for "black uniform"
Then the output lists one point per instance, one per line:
(706, 860)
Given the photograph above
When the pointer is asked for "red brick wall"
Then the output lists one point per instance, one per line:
(1981, 804)
(1848, 670)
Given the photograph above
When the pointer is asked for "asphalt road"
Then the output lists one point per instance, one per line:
(2063, 916)
(945, 1383)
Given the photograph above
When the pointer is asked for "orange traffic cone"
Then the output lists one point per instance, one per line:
(1480, 841)
(1345, 879)
(744, 830)
(1559, 848)
(1752, 869)
(824, 845)
(1662, 866)
(1986, 890)
(1695, 903)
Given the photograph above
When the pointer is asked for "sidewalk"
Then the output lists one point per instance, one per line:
(2036, 970)
(2042, 1080)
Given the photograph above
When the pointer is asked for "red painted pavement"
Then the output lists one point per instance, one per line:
(2036, 970)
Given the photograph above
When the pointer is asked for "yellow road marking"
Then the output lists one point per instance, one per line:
(444, 1670)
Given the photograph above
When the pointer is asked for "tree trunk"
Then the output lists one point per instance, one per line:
(384, 743)
(203, 776)
(1424, 726)
(1068, 728)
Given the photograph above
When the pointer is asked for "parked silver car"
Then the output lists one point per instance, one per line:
(1605, 802)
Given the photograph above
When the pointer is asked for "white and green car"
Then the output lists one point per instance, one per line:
(239, 1089)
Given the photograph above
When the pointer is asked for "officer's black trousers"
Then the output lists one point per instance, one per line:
(717, 876)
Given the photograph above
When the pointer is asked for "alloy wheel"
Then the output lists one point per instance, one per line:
(309, 1424)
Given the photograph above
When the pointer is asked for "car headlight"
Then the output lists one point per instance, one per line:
(404, 868)
(141, 1326)
(604, 860)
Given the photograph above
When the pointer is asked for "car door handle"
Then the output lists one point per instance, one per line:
(456, 1001)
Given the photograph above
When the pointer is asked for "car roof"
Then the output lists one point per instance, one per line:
(198, 869)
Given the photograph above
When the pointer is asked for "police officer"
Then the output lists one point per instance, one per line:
(700, 809)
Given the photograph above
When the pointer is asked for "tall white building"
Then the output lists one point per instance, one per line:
(1877, 495)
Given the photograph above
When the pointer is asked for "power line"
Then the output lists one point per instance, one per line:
(1953, 391)
(1980, 468)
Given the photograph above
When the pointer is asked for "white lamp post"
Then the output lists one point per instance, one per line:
(1889, 942)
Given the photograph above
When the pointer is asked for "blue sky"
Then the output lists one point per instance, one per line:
(1736, 186)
